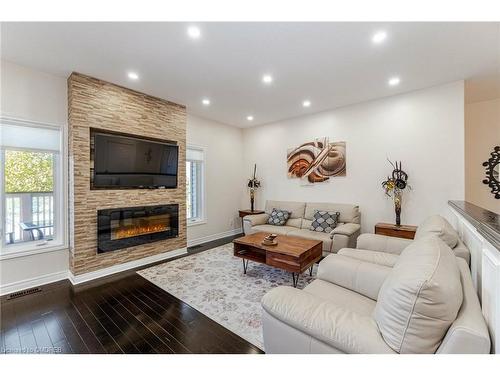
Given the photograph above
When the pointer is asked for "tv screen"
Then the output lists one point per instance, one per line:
(132, 162)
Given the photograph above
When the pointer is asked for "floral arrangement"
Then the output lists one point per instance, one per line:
(393, 187)
(253, 184)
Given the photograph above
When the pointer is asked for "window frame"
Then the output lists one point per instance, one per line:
(60, 193)
(202, 219)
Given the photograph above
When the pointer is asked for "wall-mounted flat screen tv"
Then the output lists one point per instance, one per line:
(125, 162)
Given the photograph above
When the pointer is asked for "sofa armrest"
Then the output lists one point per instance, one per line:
(347, 229)
(332, 324)
(365, 278)
(377, 242)
(468, 334)
(344, 235)
(258, 219)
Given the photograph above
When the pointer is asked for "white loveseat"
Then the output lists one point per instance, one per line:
(301, 217)
(425, 303)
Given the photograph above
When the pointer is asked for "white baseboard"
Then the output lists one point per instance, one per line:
(33, 282)
(213, 237)
(78, 279)
(58, 276)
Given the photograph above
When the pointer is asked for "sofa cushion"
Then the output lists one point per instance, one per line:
(379, 242)
(376, 257)
(306, 224)
(462, 251)
(283, 230)
(334, 324)
(296, 209)
(439, 226)
(349, 213)
(421, 297)
(342, 296)
(324, 221)
(278, 217)
(297, 222)
(358, 276)
(310, 235)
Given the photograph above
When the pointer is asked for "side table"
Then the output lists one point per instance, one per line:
(392, 230)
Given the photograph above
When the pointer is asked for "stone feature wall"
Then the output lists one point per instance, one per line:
(93, 103)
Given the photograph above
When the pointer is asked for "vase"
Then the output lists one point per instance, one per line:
(252, 199)
(397, 207)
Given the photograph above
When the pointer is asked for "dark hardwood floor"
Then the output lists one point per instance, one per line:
(123, 313)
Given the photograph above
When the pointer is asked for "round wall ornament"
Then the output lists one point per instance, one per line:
(492, 172)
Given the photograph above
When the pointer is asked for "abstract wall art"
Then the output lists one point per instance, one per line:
(317, 161)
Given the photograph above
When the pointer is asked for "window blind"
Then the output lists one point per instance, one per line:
(194, 154)
(29, 137)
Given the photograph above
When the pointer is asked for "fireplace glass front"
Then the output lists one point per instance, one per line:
(131, 226)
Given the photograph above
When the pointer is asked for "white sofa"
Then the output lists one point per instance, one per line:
(385, 250)
(301, 217)
(426, 303)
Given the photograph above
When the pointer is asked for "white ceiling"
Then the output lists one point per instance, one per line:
(331, 64)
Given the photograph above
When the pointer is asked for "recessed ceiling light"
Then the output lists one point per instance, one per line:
(267, 78)
(206, 101)
(194, 32)
(394, 81)
(306, 103)
(133, 75)
(250, 118)
(379, 37)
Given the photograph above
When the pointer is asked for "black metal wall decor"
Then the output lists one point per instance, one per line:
(492, 172)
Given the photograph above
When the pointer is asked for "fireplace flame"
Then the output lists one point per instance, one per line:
(137, 230)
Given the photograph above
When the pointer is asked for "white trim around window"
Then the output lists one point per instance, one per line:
(60, 242)
(196, 154)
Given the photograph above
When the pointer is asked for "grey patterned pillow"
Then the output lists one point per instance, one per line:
(324, 221)
(278, 217)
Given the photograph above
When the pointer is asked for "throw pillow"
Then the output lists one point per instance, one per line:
(278, 217)
(420, 298)
(324, 221)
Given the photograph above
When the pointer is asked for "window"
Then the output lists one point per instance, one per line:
(195, 158)
(32, 193)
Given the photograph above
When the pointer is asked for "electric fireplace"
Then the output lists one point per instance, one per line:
(118, 228)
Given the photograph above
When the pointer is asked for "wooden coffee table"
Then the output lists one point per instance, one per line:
(292, 254)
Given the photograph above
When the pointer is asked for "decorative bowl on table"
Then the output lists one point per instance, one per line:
(270, 240)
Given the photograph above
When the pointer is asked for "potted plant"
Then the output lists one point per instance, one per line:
(394, 186)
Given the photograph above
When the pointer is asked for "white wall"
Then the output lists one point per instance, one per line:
(32, 95)
(424, 129)
(224, 177)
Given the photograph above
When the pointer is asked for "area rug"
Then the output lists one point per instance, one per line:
(213, 283)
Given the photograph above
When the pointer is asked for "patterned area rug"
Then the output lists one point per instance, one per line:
(213, 283)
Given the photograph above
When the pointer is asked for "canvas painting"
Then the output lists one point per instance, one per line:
(317, 161)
